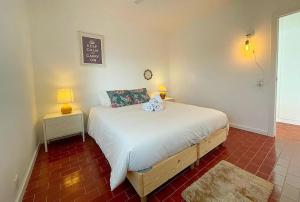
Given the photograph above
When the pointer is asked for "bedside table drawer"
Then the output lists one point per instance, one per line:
(62, 126)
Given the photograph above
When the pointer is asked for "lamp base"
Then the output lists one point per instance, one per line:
(162, 95)
(66, 109)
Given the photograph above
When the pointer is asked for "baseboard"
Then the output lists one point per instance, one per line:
(288, 121)
(253, 130)
(25, 181)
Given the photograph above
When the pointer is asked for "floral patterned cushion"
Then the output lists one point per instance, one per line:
(139, 96)
(120, 98)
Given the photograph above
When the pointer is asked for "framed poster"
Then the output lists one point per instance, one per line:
(92, 47)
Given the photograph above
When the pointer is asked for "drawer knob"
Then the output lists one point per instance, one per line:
(178, 161)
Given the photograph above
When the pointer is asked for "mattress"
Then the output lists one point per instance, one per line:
(133, 140)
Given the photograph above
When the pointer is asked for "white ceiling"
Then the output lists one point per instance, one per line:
(165, 15)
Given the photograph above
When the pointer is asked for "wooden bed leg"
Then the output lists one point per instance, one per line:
(144, 199)
(197, 162)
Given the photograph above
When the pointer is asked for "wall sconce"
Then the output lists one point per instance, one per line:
(248, 45)
(249, 49)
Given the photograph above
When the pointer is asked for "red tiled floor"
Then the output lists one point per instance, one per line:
(76, 171)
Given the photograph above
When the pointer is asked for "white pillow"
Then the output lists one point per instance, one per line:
(104, 99)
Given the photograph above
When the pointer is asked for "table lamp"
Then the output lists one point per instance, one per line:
(162, 91)
(65, 97)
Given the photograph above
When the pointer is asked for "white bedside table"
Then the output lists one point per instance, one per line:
(58, 125)
(169, 99)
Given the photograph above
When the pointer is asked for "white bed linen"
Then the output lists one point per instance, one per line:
(132, 139)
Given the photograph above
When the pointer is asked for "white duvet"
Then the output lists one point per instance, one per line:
(132, 139)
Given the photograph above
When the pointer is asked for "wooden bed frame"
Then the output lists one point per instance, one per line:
(146, 182)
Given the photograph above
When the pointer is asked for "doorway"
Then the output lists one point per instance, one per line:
(288, 73)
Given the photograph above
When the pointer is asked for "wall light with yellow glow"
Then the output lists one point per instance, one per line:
(249, 51)
(248, 47)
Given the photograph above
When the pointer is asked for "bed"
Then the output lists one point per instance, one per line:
(149, 148)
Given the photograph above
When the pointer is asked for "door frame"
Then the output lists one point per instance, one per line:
(274, 61)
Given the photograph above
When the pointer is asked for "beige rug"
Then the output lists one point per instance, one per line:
(227, 182)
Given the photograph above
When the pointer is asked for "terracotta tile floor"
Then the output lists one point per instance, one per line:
(76, 171)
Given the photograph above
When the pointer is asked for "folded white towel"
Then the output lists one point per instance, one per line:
(148, 107)
(154, 104)
(157, 99)
(158, 107)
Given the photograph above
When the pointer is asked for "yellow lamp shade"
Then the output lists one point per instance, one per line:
(65, 96)
(162, 89)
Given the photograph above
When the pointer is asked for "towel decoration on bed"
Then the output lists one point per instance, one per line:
(155, 104)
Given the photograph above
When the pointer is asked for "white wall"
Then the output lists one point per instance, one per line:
(17, 120)
(288, 99)
(207, 67)
(131, 46)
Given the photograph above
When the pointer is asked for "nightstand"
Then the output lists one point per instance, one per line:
(169, 99)
(58, 125)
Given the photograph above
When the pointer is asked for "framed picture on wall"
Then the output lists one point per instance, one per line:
(92, 49)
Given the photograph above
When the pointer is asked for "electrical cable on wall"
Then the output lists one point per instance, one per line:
(260, 82)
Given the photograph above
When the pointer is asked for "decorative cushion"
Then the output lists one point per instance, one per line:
(120, 98)
(139, 96)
